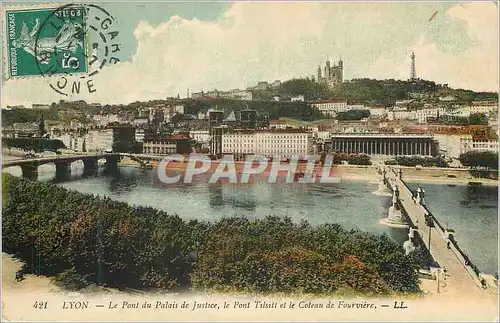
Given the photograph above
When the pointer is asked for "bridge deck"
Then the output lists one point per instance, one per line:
(460, 277)
(43, 160)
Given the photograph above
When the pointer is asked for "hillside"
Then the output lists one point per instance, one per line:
(369, 91)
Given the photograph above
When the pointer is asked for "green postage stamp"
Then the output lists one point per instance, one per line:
(43, 41)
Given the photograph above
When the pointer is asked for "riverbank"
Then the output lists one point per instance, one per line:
(19, 297)
(445, 176)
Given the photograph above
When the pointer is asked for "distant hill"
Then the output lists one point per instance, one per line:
(370, 91)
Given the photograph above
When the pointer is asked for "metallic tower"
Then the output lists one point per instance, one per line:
(413, 75)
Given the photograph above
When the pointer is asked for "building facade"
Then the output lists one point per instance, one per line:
(202, 136)
(331, 74)
(99, 140)
(279, 144)
(384, 144)
(166, 144)
(330, 108)
(480, 144)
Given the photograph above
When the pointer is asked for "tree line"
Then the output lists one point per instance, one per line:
(83, 239)
(33, 144)
(417, 160)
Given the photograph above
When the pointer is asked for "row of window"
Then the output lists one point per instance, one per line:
(282, 136)
(157, 150)
(268, 145)
(266, 151)
(281, 141)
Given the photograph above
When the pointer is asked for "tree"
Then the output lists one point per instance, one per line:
(353, 115)
(84, 239)
(478, 119)
(359, 160)
(475, 159)
(35, 144)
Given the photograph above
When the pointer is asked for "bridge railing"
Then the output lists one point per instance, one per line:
(461, 255)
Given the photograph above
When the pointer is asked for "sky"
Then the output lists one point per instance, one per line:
(167, 48)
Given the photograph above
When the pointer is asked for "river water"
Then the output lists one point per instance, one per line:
(471, 211)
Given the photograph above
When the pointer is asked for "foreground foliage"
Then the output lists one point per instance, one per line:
(83, 239)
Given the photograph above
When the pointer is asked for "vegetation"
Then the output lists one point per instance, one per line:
(21, 115)
(476, 159)
(123, 146)
(418, 160)
(35, 144)
(370, 91)
(473, 119)
(353, 115)
(294, 110)
(84, 239)
(351, 159)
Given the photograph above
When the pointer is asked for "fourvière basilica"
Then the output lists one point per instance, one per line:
(332, 74)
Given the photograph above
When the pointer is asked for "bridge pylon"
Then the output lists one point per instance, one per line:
(30, 171)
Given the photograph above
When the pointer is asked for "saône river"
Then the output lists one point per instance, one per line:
(471, 211)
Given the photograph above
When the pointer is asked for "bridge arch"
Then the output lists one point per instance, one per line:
(14, 170)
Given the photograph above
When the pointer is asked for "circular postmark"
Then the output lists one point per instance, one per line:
(73, 44)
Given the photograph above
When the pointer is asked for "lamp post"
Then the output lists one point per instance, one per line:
(430, 223)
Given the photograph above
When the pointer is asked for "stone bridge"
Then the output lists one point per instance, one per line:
(30, 166)
(409, 209)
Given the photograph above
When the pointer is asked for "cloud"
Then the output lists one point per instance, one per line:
(251, 42)
(475, 68)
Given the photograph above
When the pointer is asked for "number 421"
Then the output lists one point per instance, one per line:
(40, 305)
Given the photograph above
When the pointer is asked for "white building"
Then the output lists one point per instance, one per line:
(238, 143)
(299, 98)
(448, 98)
(99, 140)
(330, 108)
(279, 124)
(477, 107)
(178, 109)
(356, 107)
(400, 114)
(419, 115)
(324, 135)
(423, 114)
(403, 102)
(468, 143)
(242, 95)
(202, 115)
(483, 107)
(278, 144)
(104, 119)
(140, 121)
(379, 112)
(66, 138)
(202, 136)
(139, 134)
(159, 147)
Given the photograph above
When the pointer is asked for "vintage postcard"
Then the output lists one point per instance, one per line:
(249, 161)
